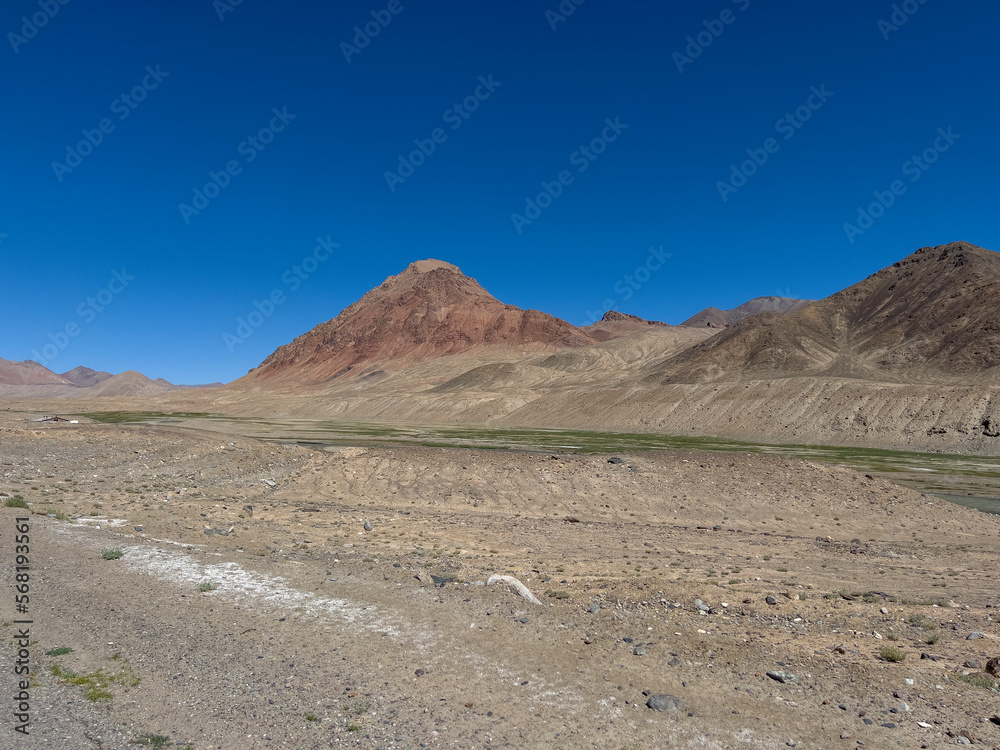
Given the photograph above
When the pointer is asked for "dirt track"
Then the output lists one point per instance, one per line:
(312, 618)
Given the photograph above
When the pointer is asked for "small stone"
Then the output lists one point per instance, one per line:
(419, 672)
(368, 525)
(139, 529)
(771, 600)
(524, 620)
(971, 664)
(248, 509)
(975, 635)
(840, 649)
(639, 651)
(470, 704)
(845, 736)
(675, 662)
(615, 460)
(903, 707)
(664, 702)
(993, 667)
(884, 611)
(783, 677)
(888, 725)
(595, 608)
(928, 656)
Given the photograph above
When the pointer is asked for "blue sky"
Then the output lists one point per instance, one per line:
(743, 136)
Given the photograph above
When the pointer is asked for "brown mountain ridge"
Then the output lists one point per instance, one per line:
(430, 310)
(930, 317)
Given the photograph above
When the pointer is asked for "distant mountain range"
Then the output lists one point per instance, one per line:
(713, 317)
(31, 379)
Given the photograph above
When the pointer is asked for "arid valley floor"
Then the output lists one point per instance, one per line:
(349, 604)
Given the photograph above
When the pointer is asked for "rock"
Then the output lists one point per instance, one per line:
(975, 635)
(269, 482)
(771, 600)
(675, 662)
(971, 664)
(965, 733)
(884, 611)
(841, 649)
(639, 651)
(595, 608)
(419, 672)
(903, 707)
(139, 529)
(928, 656)
(615, 460)
(368, 525)
(993, 667)
(664, 702)
(248, 509)
(783, 677)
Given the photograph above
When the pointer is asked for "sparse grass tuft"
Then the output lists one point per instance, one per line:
(557, 594)
(59, 651)
(207, 586)
(311, 717)
(158, 741)
(15, 502)
(891, 654)
(977, 680)
(112, 554)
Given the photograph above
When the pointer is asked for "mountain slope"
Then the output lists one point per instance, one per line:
(930, 317)
(85, 377)
(430, 310)
(713, 317)
(28, 372)
(615, 325)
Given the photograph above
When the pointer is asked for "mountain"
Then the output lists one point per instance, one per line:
(28, 372)
(931, 317)
(85, 377)
(428, 311)
(712, 317)
(615, 325)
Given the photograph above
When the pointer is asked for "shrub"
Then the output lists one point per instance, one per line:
(112, 554)
(891, 654)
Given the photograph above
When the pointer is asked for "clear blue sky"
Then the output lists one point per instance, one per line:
(208, 85)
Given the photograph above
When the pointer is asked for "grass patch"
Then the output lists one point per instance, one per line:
(15, 502)
(891, 654)
(977, 680)
(557, 594)
(207, 586)
(157, 741)
(353, 728)
(311, 717)
(97, 684)
(59, 651)
(112, 554)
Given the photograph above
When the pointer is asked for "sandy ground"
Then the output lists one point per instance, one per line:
(321, 633)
